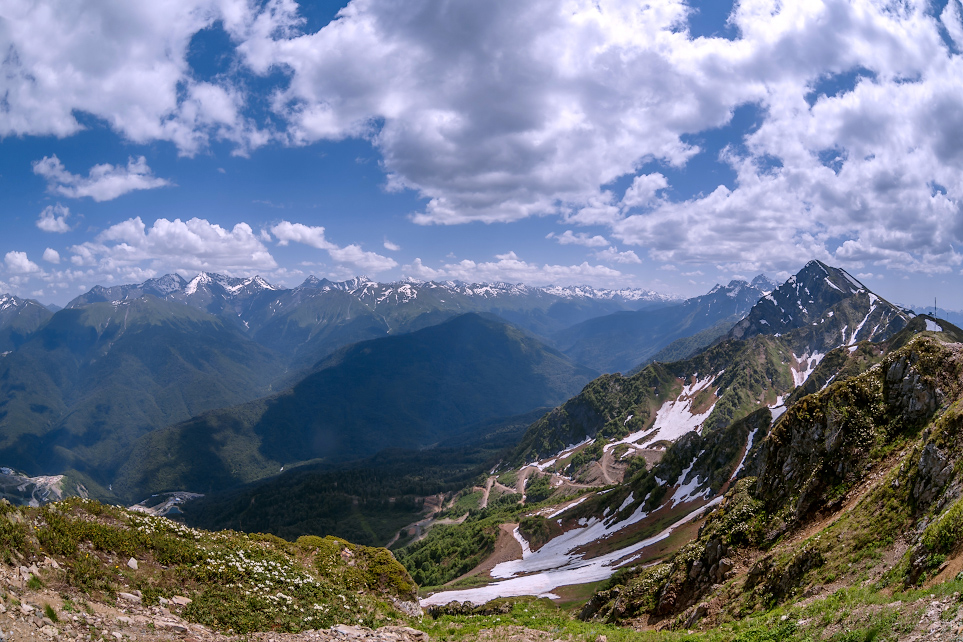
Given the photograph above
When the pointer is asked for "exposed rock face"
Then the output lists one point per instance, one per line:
(935, 469)
(826, 307)
(824, 441)
(855, 456)
(913, 398)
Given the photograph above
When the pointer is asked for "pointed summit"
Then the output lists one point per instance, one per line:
(832, 306)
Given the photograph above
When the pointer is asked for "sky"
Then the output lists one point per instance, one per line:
(662, 144)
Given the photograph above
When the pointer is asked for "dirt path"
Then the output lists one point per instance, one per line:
(503, 488)
(421, 527)
(522, 478)
(606, 464)
(869, 483)
(507, 548)
(488, 489)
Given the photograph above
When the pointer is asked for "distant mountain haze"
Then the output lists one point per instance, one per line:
(408, 391)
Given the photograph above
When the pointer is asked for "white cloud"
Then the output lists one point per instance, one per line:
(352, 255)
(124, 63)
(543, 107)
(391, 247)
(51, 255)
(53, 218)
(18, 263)
(103, 183)
(570, 238)
(131, 250)
(612, 255)
(643, 189)
(510, 268)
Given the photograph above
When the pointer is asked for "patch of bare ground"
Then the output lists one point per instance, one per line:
(507, 548)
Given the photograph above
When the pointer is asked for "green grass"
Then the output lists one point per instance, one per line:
(242, 582)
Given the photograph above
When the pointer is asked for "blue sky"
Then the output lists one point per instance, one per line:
(665, 145)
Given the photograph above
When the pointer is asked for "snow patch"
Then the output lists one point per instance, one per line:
(749, 444)
(800, 375)
(777, 409)
(687, 491)
(675, 418)
(557, 564)
(932, 326)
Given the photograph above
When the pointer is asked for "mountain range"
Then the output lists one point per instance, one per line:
(770, 446)
(406, 391)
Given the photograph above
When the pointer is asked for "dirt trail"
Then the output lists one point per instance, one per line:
(488, 489)
(421, 527)
(855, 496)
(606, 465)
(522, 478)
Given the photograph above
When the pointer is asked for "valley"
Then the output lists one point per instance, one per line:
(687, 494)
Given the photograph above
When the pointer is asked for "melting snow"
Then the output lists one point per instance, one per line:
(675, 418)
(831, 284)
(856, 284)
(625, 504)
(852, 339)
(778, 408)
(559, 511)
(557, 564)
(799, 376)
(932, 326)
(749, 444)
(687, 491)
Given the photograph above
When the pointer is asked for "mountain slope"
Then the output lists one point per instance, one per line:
(91, 381)
(732, 378)
(19, 318)
(619, 342)
(309, 322)
(854, 475)
(826, 307)
(407, 391)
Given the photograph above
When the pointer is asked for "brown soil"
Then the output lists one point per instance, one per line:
(507, 548)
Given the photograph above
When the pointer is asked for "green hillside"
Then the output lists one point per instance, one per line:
(83, 388)
(409, 391)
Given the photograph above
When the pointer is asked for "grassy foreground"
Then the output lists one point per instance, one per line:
(846, 615)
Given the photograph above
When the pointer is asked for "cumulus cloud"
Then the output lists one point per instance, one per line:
(18, 263)
(583, 93)
(567, 105)
(134, 251)
(505, 110)
(581, 238)
(612, 255)
(125, 63)
(51, 255)
(352, 255)
(53, 218)
(103, 183)
(510, 268)
(391, 247)
(643, 189)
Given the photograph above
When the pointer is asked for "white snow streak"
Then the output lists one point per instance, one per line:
(749, 444)
(674, 419)
(799, 376)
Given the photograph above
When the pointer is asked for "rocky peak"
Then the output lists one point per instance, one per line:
(826, 307)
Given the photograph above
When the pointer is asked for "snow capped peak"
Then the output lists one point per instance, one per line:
(201, 279)
(262, 284)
